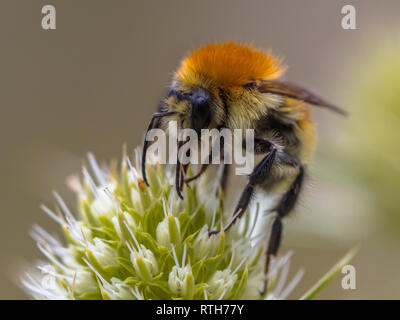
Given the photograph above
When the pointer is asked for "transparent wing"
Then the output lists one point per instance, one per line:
(292, 91)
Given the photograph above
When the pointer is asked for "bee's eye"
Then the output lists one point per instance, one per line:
(200, 110)
(180, 95)
(250, 85)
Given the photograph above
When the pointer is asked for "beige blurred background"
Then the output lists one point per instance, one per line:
(92, 84)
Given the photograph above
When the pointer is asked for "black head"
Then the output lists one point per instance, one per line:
(197, 104)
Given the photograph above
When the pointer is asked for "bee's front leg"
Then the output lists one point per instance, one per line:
(154, 123)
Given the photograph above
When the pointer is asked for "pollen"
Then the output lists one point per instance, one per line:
(229, 64)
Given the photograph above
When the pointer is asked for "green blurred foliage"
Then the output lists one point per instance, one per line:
(371, 135)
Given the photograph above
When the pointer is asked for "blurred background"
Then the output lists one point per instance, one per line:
(93, 83)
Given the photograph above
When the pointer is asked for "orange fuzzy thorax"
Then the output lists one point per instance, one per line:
(229, 64)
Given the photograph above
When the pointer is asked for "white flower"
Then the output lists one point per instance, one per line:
(118, 290)
(144, 262)
(104, 253)
(221, 283)
(117, 223)
(181, 282)
(205, 245)
(103, 204)
(168, 231)
(137, 242)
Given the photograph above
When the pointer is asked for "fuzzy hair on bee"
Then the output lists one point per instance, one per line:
(236, 86)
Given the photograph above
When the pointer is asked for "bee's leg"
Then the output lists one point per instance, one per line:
(179, 171)
(203, 169)
(284, 207)
(183, 172)
(153, 124)
(224, 176)
(204, 166)
(225, 171)
(178, 174)
(259, 174)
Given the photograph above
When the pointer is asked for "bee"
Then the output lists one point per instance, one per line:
(235, 86)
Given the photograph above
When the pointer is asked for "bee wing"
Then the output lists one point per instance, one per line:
(292, 91)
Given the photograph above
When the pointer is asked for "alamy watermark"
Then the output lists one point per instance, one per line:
(168, 146)
(349, 17)
(349, 280)
(49, 17)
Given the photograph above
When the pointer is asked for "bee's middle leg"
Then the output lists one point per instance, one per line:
(224, 177)
(258, 176)
(204, 167)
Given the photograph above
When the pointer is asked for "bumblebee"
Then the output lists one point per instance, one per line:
(234, 86)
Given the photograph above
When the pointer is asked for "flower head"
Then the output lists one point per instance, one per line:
(130, 241)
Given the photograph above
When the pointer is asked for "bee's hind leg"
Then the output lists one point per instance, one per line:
(261, 172)
(283, 208)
